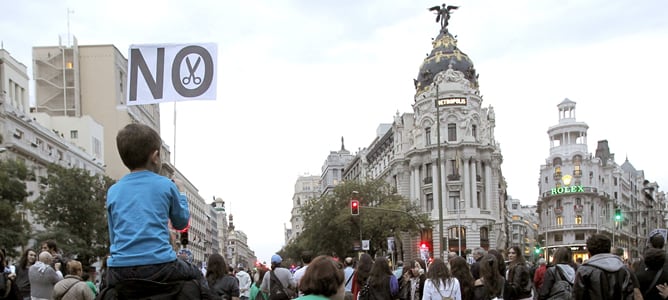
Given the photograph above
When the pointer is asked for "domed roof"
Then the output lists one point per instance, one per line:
(445, 53)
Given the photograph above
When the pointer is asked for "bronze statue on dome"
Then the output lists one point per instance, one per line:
(443, 14)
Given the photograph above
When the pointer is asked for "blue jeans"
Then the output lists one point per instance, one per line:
(178, 270)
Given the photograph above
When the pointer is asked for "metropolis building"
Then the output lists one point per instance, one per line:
(405, 153)
(580, 193)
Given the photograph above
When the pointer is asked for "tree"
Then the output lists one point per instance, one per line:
(14, 229)
(73, 212)
(329, 227)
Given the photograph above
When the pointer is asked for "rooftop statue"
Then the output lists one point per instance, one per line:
(443, 14)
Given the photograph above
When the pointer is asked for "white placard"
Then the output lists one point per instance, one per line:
(171, 72)
(365, 244)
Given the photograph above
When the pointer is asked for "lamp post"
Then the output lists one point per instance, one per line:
(439, 177)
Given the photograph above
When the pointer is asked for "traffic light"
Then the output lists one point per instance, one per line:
(184, 238)
(537, 250)
(618, 214)
(354, 207)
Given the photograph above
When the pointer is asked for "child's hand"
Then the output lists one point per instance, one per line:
(179, 184)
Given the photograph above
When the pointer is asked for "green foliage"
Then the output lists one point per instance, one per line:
(14, 229)
(329, 227)
(72, 211)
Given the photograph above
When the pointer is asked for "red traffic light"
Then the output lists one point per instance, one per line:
(354, 207)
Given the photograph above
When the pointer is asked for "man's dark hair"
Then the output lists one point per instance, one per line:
(598, 243)
(136, 143)
(307, 256)
(619, 252)
(654, 258)
(657, 241)
(51, 244)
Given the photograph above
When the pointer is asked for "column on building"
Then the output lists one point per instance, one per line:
(446, 195)
(466, 184)
(488, 184)
(474, 196)
(435, 187)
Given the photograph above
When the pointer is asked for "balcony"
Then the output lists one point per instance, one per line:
(559, 210)
(578, 208)
(453, 177)
(557, 175)
(427, 180)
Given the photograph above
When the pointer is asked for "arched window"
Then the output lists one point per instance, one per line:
(556, 161)
(453, 240)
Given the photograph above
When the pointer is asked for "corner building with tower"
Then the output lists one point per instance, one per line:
(470, 187)
(583, 193)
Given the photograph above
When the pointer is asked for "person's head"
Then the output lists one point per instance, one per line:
(324, 277)
(380, 268)
(307, 256)
(400, 263)
(74, 268)
(655, 258)
(85, 277)
(28, 258)
(489, 272)
(479, 252)
(452, 255)
(51, 246)
(657, 241)
(563, 255)
(598, 243)
(460, 269)
(348, 262)
(139, 147)
(515, 255)
(216, 267)
(578, 260)
(261, 271)
(438, 271)
(417, 267)
(364, 267)
(276, 261)
(619, 252)
(45, 257)
(541, 262)
(501, 264)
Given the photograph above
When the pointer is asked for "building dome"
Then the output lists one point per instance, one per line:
(444, 54)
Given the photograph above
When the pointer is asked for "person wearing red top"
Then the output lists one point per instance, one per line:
(540, 274)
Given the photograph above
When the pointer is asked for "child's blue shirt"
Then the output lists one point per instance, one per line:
(139, 207)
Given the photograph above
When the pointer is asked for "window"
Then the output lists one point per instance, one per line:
(484, 238)
(455, 167)
(427, 136)
(614, 181)
(74, 134)
(578, 201)
(97, 147)
(558, 203)
(430, 202)
(452, 132)
(558, 237)
(578, 219)
(454, 198)
(474, 131)
(560, 220)
(579, 236)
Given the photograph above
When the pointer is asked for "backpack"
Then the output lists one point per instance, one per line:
(561, 289)
(276, 289)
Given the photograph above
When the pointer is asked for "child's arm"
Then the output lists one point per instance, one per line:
(179, 213)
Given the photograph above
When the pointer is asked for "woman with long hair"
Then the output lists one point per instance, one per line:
(22, 281)
(411, 283)
(501, 268)
(491, 283)
(460, 270)
(518, 276)
(361, 273)
(561, 270)
(221, 283)
(440, 284)
(382, 283)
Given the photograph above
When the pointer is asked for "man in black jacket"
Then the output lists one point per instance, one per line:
(604, 275)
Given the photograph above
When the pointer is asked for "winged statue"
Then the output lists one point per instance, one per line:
(443, 14)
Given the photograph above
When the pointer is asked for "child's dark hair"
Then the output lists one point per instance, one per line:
(136, 143)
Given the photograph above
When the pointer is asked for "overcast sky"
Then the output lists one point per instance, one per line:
(296, 76)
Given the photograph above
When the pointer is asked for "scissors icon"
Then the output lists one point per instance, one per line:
(191, 70)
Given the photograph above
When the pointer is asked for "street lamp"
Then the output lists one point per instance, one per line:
(440, 180)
